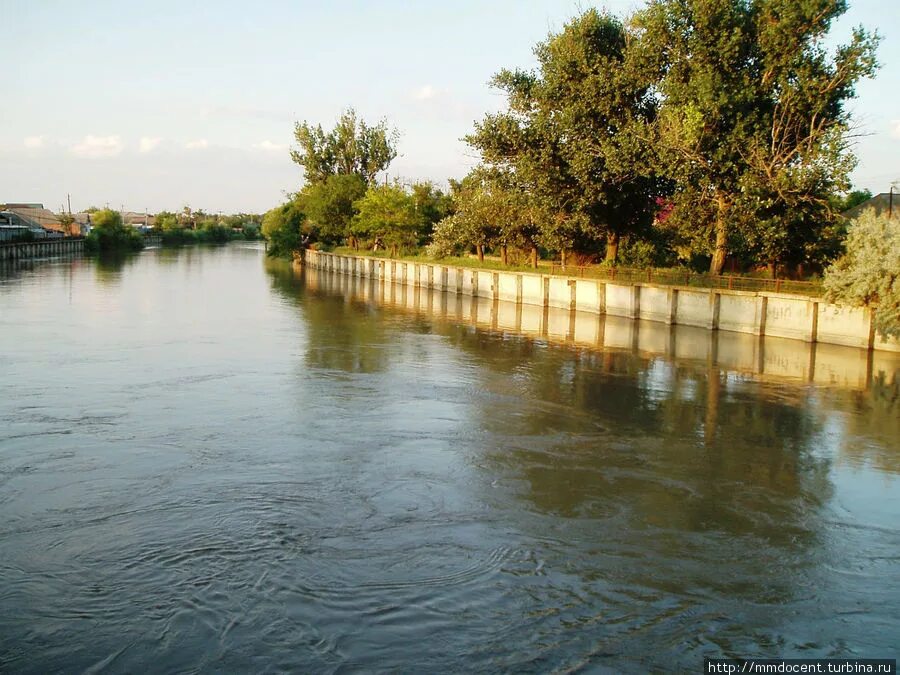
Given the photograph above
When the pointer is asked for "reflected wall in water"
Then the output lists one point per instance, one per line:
(719, 460)
(765, 358)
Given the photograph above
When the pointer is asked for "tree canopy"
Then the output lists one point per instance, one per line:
(281, 227)
(387, 215)
(752, 126)
(569, 138)
(352, 147)
(109, 234)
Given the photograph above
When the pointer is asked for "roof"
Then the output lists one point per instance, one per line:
(881, 203)
(35, 217)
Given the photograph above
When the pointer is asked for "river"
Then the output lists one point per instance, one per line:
(213, 462)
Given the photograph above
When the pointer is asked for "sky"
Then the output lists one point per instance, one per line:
(158, 105)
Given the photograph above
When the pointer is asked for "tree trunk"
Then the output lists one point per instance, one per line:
(480, 249)
(393, 250)
(721, 251)
(534, 257)
(612, 247)
(562, 258)
(503, 256)
(773, 269)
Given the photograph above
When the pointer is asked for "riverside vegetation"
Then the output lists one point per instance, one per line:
(692, 133)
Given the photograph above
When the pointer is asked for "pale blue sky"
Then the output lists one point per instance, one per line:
(161, 104)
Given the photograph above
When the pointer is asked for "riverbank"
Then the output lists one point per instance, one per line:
(41, 249)
(759, 313)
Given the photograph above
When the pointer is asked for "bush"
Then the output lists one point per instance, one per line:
(869, 272)
(281, 228)
(110, 234)
(212, 232)
(178, 236)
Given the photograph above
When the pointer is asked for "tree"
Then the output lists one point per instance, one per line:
(489, 211)
(281, 228)
(166, 221)
(329, 206)
(387, 215)
(352, 147)
(569, 139)
(67, 224)
(752, 125)
(845, 202)
(431, 205)
(869, 272)
(109, 234)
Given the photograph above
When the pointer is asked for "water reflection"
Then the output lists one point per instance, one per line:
(235, 466)
(687, 466)
(767, 359)
(111, 265)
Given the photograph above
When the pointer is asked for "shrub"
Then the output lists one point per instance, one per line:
(110, 234)
(869, 272)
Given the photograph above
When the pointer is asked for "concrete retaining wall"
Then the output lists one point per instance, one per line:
(776, 315)
(47, 248)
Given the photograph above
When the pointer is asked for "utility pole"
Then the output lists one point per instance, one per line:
(69, 200)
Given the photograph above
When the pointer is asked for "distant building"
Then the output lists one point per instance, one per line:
(138, 219)
(34, 216)
(881, 204)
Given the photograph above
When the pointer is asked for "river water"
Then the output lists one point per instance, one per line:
(212, 462)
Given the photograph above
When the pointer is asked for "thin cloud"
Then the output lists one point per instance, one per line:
(426, 93)
(34, 142)
(895, 129)
(245, 112)
(97, 147)
(148, 144)
(269, 146)
(199, 144)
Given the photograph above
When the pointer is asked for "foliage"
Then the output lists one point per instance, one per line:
(329, 206)
(281, 228)
(166, 221)
(570, 139)
(67, 224)
(431, 205)
(752, 125)
(488, 211)
(869, 272)
(387, 216)
(352, 147)
(844, 202)
(108, 233)
(213, 232)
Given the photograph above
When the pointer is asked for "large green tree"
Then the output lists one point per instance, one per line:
(386, 215)
(569, 136)
(431, 205)
(110, 234)
(352, 147)
(281, 228)
(490, 211)
(752, 123)
(330, 206)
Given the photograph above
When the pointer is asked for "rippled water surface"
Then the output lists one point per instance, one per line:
(211, 462)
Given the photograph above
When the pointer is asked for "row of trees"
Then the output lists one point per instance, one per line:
(342, 201)
(691, 131)
(700, 127)
(188, 226)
